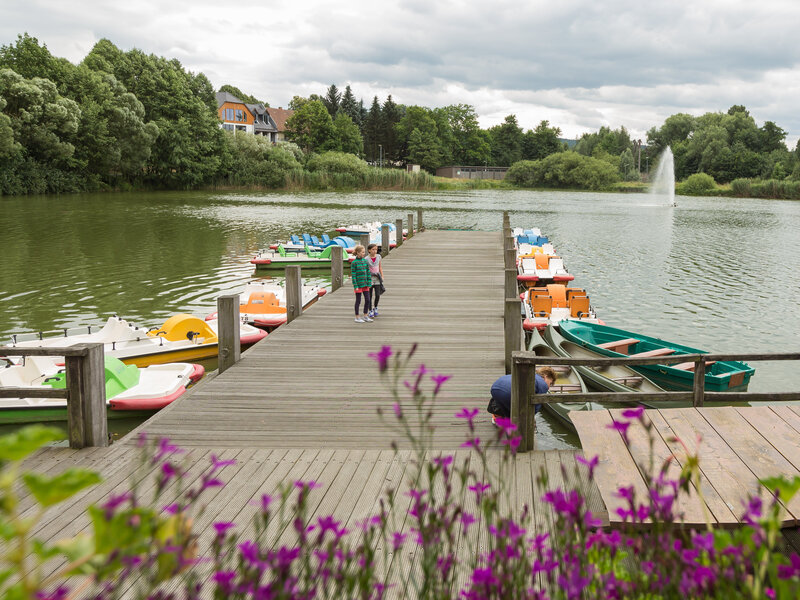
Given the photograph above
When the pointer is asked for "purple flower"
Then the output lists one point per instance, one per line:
(506, 425)
(512, 443)
(327, 524)
(224, 580)
(790, 570)
(172, 509)
(266, 500)
(222, 527)
(114, 502)
(382, 357)
(468, 414)
(466, 519)
(165, 449)
(398, 411)
(59, 593)
(472, 443)
(398, 539)
(443, 461)
(633, 413)
(311, 485)
(168, 471)
(218, 464)
(439, 381)
(622, 427)
(479, 489)
(769, 593)
(590, 464)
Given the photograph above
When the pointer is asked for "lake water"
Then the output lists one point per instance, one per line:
(720, 274)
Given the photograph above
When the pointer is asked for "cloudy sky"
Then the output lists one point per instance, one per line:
(580, 64)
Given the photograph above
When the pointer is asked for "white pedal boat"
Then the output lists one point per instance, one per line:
(551, 304)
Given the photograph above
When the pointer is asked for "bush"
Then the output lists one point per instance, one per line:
(699, 184)
(770, 188)
(568, 170)
(255, 161)
(337, 162)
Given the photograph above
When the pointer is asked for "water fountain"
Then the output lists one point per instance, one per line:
(663, 186)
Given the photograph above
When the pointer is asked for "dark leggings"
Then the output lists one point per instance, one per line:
(376, 295)
(366, 301)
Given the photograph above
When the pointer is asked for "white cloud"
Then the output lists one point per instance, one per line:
(578, 63)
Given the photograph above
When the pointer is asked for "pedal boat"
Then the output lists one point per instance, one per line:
(181, 338)
(358, 229)
(263, 304)
(720, 376)
(279, 258)
(552, 304)
(296, 244)
(130, 391)
(539, 269)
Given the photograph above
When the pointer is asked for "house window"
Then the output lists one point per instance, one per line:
(239, 115)
(227, 126)
(241, 128)
(229, 114)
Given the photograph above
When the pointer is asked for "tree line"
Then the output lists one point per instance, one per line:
(129, 120)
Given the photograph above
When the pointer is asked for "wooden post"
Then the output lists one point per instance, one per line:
(337, 268)
(510, 256)
(512, 288)
(384, 240)
(522, 409)
(365, 240)
(699, 382)
(87, 421)
(398, 232)
(294, 293)
(513, 329)
(410, 224)
(229, 349)
(420, 226)
(506, 221)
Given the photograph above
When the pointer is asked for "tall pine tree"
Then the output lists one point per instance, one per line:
(349, 106)
(390, 116)
(372, 131)
(332, 99)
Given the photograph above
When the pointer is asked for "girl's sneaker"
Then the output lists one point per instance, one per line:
(374, 312)
(366, 319)
(359, 320)
(371, 313)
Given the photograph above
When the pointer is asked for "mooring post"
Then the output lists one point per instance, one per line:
(87, 421)
(410, 224)
(523, 411)
(510, 253)
(699, 382)
(420, 226)
(229, 349)
(337, 267)
(512, 289)
(513, 329)
(294, 293)
(384, 240)
(365, 240)
(398, 232)
(506, 222)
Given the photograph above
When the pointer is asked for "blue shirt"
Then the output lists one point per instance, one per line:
(501, 390)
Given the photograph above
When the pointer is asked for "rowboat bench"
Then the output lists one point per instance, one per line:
(690, 366)
(620, 346)
(656, 352)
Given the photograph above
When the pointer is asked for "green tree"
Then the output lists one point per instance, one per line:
(542, 141)
(311, 127)
(331, 100)
(424, 121)
(506, 142)
(350, 107)
(627, 167)
(348, 137)
(234, 91)
(470, 144)
(372, 131)
(7, 144)
(390, 117)
(771, 137)
(423, 149)
(189, 148)
(568, 170)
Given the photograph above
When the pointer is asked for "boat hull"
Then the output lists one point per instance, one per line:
(727, 376)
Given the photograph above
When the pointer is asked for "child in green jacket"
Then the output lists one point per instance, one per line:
(362, 279)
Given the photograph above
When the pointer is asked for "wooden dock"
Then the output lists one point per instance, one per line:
(737, 448)
(302, 404)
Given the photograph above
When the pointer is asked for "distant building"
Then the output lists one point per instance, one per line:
(462, 172)
(238, 116)
(412, 168)
(279, 116)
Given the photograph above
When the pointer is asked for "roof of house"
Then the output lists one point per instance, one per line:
(223, 97)
(280, 116)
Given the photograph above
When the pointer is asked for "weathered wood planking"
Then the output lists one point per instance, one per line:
(737, 448)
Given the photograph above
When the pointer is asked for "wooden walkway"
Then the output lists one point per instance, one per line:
(302, 404)
(737, 448)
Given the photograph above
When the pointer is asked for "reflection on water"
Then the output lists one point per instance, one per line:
(719, 274)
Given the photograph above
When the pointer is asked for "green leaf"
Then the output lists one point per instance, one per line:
(785, 488)
(52, 490)
(74, 549)
(18, 445)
